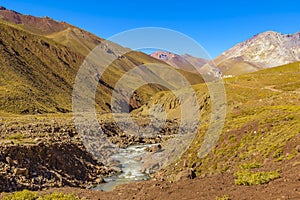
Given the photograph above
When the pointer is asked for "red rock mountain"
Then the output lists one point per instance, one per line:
(186, 62)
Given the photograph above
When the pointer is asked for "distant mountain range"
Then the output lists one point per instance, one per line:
(40, 57)
(187, 62)
(265, 50)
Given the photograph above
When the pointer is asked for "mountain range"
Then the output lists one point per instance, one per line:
(265, 50)
(41, 148)
(40, 58)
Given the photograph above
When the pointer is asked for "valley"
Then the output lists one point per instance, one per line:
(256, 156)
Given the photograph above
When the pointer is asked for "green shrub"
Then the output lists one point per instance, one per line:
(278, 153)
(250, 166)
(16, 136)
(247, 177)
(23, 195)
(28, 195)
(59, 196)
(232, 138)
(225, 197)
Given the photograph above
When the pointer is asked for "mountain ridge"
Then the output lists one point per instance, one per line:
(188, 63)
(264, 50)
(44, 67)
(41, 25)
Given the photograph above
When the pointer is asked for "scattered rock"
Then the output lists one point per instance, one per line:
(154, 148)
(185, 163)
(129, 174)
(58, 158)
(114, 163)
(150, 166)
(196, 165)
(48, 165)
(37, 140)
(99, 180)
(20, 172)
(9, 161)
(186, 174)
(296, 164)
(267, 161)
(116, 169)
(298, 148)
(138, 159)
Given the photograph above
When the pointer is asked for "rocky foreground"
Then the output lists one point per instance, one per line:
(43, 155)
(201, 188)
(49, 154)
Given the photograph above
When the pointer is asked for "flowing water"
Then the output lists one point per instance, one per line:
(131, 168)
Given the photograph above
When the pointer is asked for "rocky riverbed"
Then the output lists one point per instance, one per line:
(130, 160)
(50, 153)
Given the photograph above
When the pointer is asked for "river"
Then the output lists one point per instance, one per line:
(130, 165)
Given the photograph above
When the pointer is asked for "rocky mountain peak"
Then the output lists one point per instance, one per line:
(268, 49)
(187, 62)
(163, 55)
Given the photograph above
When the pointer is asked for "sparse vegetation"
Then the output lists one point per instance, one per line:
(23, 195)
(38, 70)
(225, 197)
(45, 66)
(16, 136)
(246, 177)
(260, 123)
(246, 166)
(59, 196)
(29, 195)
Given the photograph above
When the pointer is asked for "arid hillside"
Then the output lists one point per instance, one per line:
(39, 68)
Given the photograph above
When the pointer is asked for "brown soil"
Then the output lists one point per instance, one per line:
(286, 187)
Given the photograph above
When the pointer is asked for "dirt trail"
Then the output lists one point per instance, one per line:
(271, 88)
(268, 87)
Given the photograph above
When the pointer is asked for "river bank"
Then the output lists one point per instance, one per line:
(131, 165)
(47, 152)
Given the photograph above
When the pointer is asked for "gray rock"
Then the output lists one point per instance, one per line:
(154, 148)
(9, 161)
(116, 169)
(186, 174)
(138, 159)
(196, 165)
(150, 166)
(20, 172)
(99, 180)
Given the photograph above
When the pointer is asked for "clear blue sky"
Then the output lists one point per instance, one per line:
(216, 25)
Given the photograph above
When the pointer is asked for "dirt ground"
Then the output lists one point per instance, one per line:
(206, 188)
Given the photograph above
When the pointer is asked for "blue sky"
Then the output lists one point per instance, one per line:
(216, 25)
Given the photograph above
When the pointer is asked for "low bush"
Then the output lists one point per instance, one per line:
(29, 195)
(246, 177)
